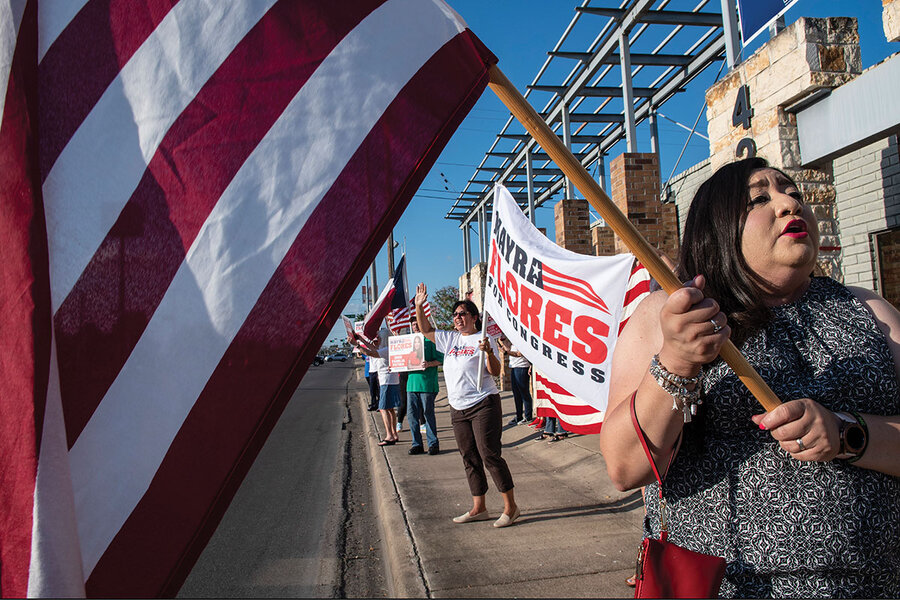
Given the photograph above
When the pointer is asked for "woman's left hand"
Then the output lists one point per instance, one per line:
(485, 346)
(804, 428)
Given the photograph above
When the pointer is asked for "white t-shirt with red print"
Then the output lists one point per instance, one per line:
(461, 358)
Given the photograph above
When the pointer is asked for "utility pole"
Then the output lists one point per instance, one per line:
(391, 254)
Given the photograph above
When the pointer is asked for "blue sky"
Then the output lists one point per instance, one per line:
(520, 33)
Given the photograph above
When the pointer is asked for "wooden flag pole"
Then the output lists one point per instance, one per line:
(556, 150)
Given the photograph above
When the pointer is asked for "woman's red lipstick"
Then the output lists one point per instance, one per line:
(795, 229)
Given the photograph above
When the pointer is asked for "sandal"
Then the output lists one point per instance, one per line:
(387, 442)
(560, 436)
(631, 581)
(543, 437)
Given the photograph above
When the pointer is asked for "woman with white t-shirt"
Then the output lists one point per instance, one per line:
(475, 410)
(388, 382)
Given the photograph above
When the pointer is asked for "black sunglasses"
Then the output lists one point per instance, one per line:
(460, 314)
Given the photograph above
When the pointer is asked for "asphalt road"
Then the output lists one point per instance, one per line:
(294, 528)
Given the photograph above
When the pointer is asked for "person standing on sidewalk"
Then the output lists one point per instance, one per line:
(372, 379)
(421, 390)
(521, 379)
(475, 410)
(388, 383)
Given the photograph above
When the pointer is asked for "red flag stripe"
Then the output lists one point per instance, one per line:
(116, 29)
(25, 314)
(179, 189)
(568, 425)
(569, 409)
(190, 484)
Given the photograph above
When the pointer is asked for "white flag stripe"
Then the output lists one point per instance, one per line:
(11, 12)
(55, 568)
(102, 164)
(154, 392)
(53, 18)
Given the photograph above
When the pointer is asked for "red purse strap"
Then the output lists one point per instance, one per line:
(641, 436)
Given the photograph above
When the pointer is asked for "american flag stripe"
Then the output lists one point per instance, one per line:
(638, 289)
(156, 384)
(134, 113)
(572, 288)
(568, 409)
(155, 222)
(227, 282)
(24, 318)
(552, 400)
(116, 29)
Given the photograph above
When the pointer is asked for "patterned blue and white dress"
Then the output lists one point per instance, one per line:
(789, 528)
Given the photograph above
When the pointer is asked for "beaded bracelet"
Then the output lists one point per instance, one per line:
(677, 387)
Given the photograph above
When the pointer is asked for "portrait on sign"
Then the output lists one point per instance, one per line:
(406, 352)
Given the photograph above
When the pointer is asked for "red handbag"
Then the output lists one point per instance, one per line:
(665, 570)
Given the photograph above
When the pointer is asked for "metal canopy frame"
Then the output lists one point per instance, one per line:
(592, 104)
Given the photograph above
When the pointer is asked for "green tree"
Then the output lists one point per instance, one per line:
(442, 302)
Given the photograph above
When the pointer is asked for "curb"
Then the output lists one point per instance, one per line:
(405, 579)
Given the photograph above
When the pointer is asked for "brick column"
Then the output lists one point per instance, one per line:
(635, 190)
(603, 240)
(573, 225)
(890, 18)
(808, 55)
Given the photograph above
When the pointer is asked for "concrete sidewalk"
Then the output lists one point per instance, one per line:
(577, 537)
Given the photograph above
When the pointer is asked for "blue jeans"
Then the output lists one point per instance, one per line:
(416, 404)
(521, 392)
(552, 426)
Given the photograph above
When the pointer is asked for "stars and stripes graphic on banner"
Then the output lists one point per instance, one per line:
(571, 287)
(175, 179)
(552, 400)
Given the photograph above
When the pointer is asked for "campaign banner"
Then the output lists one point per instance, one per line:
(561, 309)
(755, 15)
(406, 352)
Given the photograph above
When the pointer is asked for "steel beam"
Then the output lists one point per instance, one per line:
(627, 95)
(660, 17)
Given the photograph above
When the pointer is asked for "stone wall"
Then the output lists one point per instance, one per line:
(890, 17)
(472, 284)
(683, 187)
(867, 182)
(808, 55)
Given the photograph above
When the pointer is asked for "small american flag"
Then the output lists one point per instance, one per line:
(400, 318)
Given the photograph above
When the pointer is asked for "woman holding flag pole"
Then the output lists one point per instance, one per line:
(802, 501)
(475, 410)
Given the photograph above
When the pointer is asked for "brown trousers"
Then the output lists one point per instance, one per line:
(477, 431)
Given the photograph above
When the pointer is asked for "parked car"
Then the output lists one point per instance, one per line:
(318, 360)
(338, 356)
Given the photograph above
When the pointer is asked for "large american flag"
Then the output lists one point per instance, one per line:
(174, 179)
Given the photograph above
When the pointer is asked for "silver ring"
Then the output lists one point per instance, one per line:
(716, 327)
(800, 443)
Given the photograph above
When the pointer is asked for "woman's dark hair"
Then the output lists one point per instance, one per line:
(711, 246)
(471, 309)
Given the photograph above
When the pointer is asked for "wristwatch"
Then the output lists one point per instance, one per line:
(854, 437)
